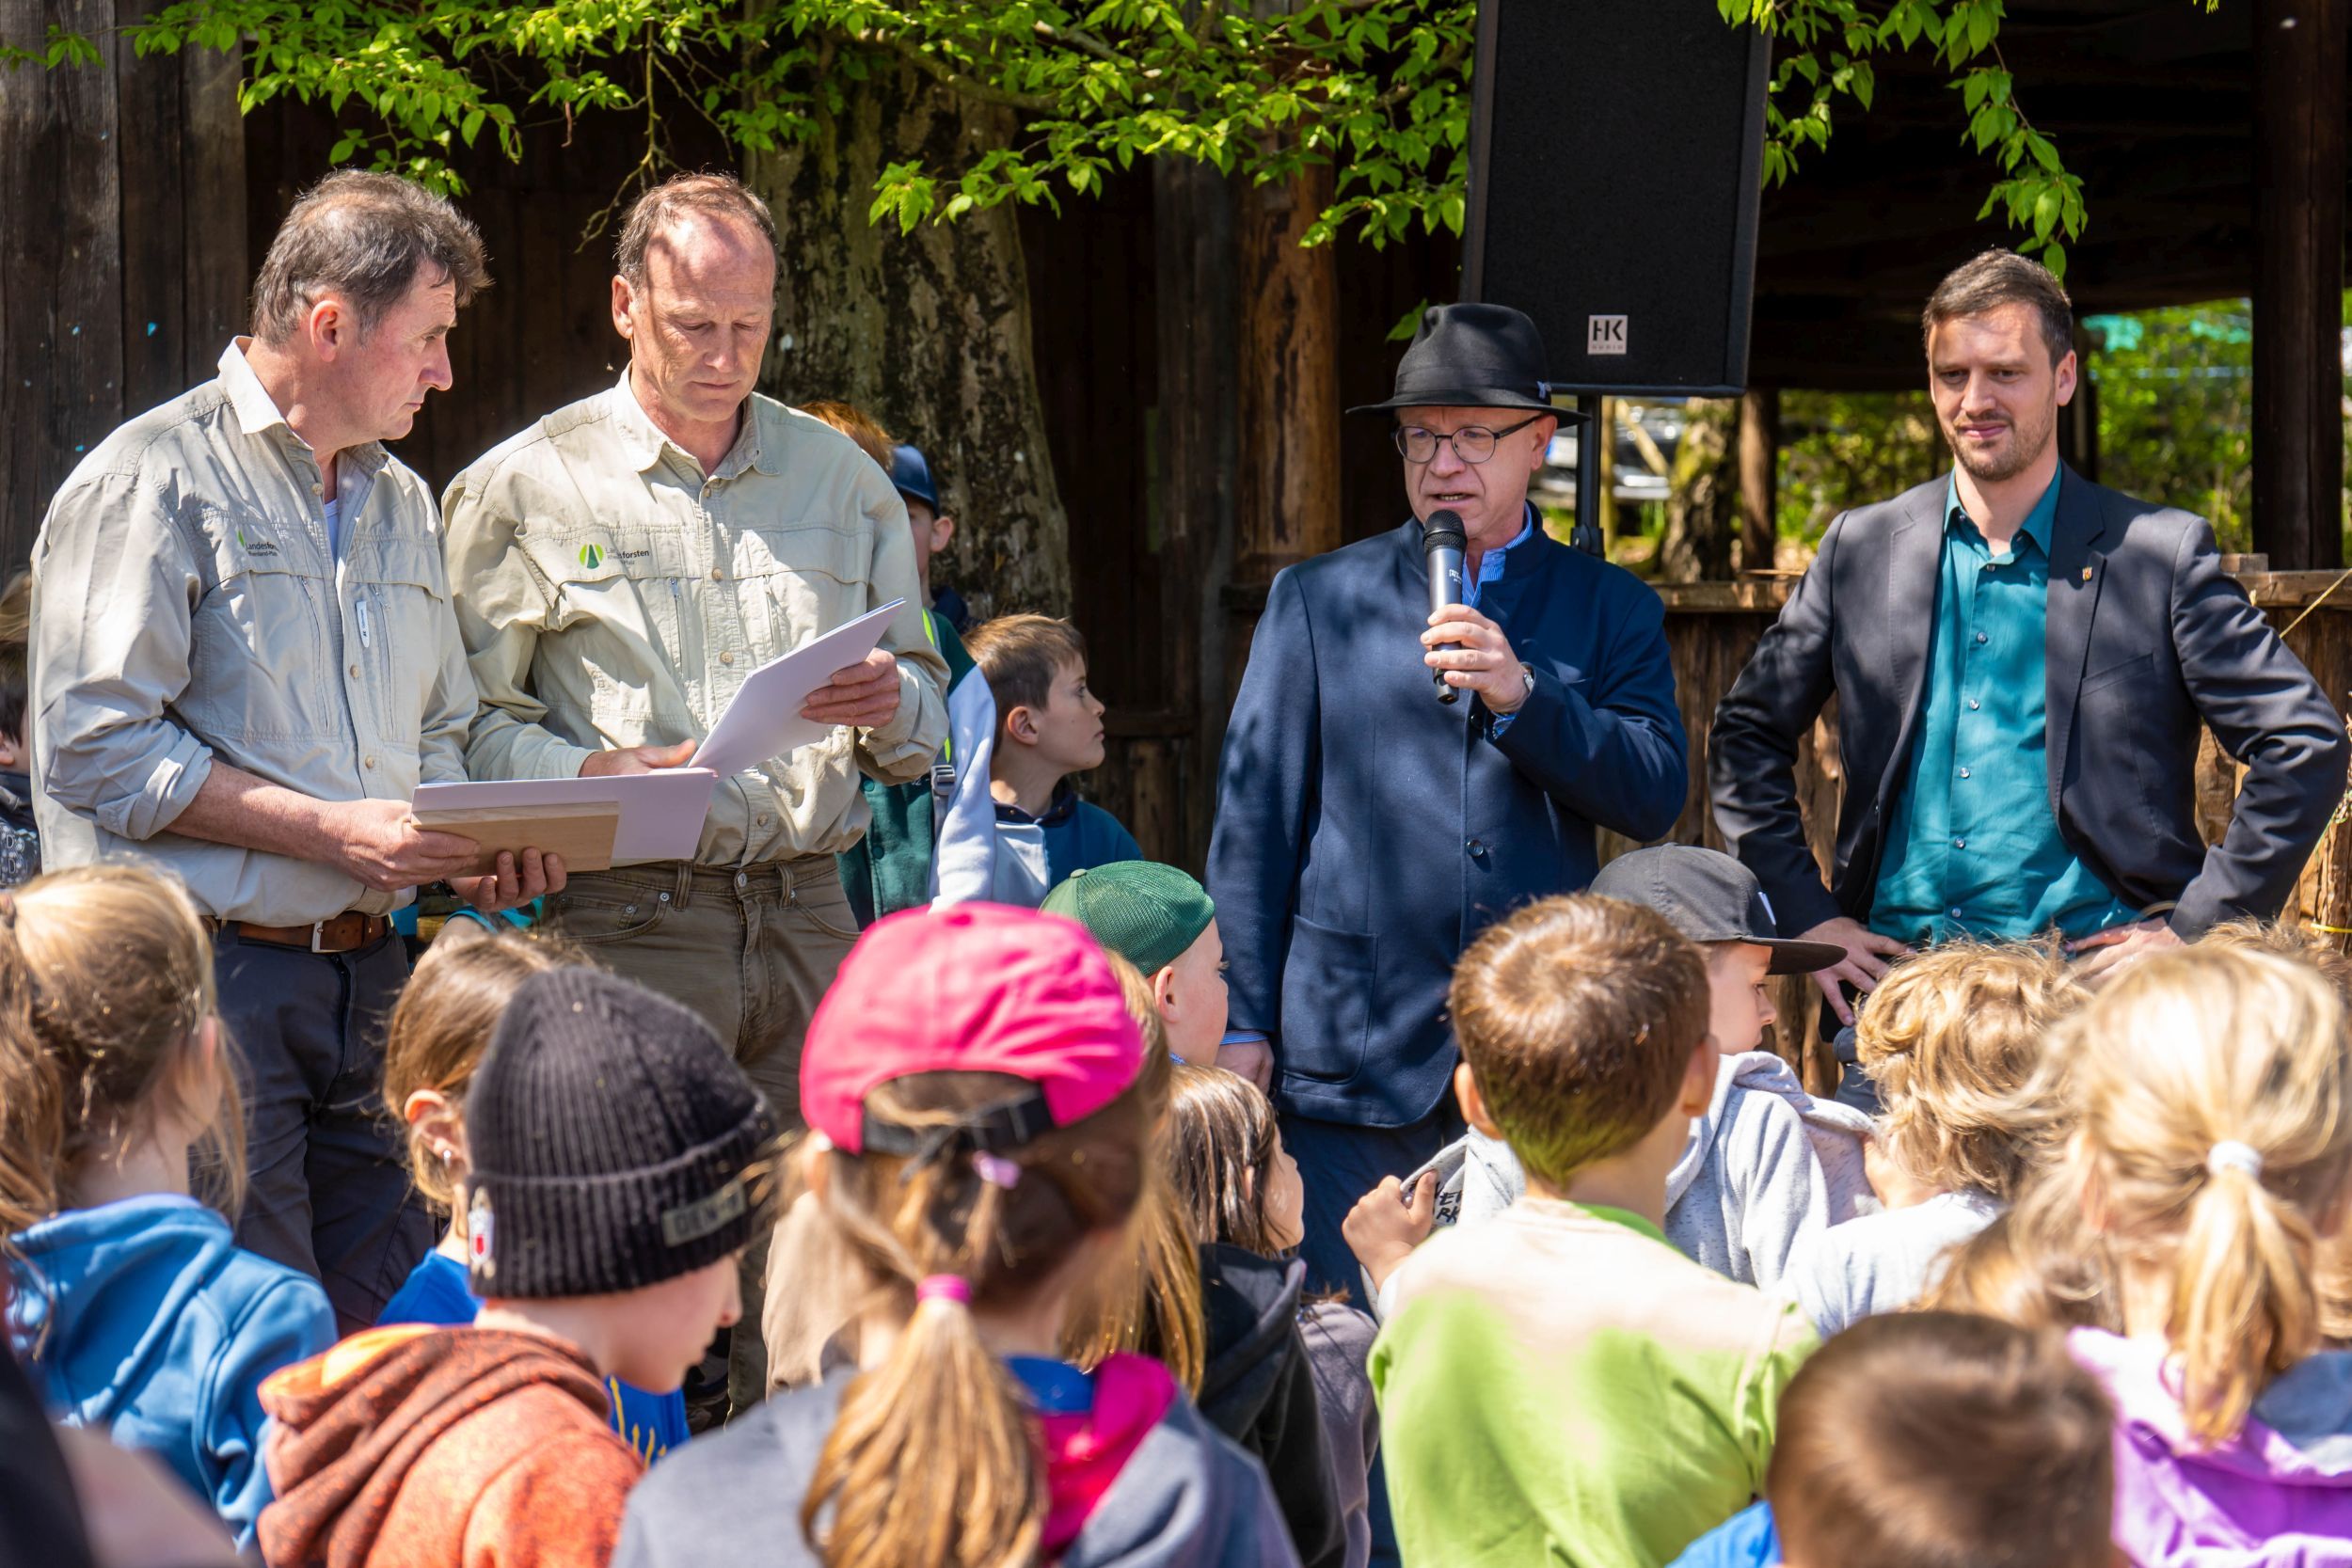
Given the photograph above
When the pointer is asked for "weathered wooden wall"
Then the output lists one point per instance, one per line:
(122, 244)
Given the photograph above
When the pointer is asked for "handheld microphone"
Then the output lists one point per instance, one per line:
(1442, 543)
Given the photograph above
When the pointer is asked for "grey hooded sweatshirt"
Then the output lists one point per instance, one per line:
(1767, 1166)
(1187, 1498)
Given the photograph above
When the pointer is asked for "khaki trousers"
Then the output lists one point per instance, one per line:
(752, 951)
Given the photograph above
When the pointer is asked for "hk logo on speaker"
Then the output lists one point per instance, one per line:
(1604, 335)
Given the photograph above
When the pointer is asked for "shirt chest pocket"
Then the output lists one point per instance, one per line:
(628, 583)
(802, 581)
(259, 652)
(399, 608)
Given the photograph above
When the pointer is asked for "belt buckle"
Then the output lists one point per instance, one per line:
(318, 936)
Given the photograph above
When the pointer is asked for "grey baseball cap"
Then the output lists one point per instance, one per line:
(1708, 896)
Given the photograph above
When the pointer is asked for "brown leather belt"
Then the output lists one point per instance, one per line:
(345, 933)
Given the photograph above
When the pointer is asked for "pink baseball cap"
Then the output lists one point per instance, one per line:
(974, 987)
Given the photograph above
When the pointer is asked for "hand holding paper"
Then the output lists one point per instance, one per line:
(864, 696)
(776, 710)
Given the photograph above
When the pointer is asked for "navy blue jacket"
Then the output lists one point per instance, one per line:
(1366, 832)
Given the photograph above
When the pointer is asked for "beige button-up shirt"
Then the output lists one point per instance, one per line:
(187, 606)
(611, 593)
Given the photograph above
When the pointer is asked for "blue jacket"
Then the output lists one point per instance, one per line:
(1366, 832)
(145, 1316)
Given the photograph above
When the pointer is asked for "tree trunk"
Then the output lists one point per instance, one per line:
(1759, 477)
(1702, 506)
(1290, 379)
(927, 332)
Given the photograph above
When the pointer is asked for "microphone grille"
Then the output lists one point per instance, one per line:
(1442, 530)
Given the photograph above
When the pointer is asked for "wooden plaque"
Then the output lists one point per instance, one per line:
(581, 835)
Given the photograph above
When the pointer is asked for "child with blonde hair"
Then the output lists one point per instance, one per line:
(978, 1149)
(439, 1030)
(2213, 1154)
(1951, 1038)
(132, 1306)
(1247, 1209)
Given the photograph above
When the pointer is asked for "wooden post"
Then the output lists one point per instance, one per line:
(1759, 477)
(122, 250)
(1192, 220)
(1290, 380)
(2298, 280)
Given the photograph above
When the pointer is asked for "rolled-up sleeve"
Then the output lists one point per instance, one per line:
(114, 589)
(903, 749)
(502, 604)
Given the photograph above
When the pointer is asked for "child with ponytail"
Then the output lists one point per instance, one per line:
(978, 1149)
(128, 1301)
(2213, 1154)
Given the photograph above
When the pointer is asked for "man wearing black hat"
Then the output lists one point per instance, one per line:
(1366, 832)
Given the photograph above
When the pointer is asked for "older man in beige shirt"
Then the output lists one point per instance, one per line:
(623, 564)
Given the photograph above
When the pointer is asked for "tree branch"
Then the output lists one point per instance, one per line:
(1085, 43)
(956, 81)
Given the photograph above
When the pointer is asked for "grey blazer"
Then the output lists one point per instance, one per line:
(2148, 644)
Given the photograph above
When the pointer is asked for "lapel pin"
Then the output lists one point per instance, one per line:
(2086, 574)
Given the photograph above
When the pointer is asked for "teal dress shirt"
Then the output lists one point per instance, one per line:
(1972, 848)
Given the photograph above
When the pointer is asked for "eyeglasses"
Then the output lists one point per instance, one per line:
(1473, 443)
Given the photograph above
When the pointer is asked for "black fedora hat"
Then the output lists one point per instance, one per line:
(1473, 357)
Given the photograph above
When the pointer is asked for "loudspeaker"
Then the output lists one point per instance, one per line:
(1616, 149)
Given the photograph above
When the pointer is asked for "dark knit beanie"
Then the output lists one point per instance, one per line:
(608, 1134)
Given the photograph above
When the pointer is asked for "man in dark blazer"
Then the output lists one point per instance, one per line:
(1366, 832)
(2023, 662)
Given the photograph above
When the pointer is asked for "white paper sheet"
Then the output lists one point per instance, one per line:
(764, 720)
(661, 814)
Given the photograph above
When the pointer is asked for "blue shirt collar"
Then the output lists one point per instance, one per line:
(2040, 524)
(1491, 565)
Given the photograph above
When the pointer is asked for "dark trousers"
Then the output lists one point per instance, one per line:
(1337, 1165)
(328, 1191)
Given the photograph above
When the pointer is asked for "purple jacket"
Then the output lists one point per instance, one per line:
(2278, 1495)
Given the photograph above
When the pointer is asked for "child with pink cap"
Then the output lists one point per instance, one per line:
(976, 1148)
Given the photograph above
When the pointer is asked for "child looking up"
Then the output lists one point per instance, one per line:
(1048, 726)
(978, 1149)
(1247, 1206)
(608, 1134)
(1560, 1385)
(439, 1029)
(1161, 921)
(2212, 1156)
(134, 1309)
(1951, 1039)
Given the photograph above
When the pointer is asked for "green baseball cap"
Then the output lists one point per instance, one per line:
(1146, 912)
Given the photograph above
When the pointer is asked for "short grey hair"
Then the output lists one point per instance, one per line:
(719, 194)
(2000, 277)
(366, 237)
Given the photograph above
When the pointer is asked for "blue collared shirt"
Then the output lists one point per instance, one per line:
(1973, 847)
(1490, 568)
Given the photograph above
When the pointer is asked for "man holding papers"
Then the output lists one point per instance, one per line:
(620, 567)
(244, 664)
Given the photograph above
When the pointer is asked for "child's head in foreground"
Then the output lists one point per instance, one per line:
(439, 1029)
(1939, 1440)
(1036, 669)
(979, 1143)
(109, 1042)
(1582, 1024)
(1717, 903)
(1161, 921)
(609, 1135)
(1952, 1039)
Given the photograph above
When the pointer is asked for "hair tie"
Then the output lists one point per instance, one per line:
(2230, 1154)
(944, 1287)
(996, 1170)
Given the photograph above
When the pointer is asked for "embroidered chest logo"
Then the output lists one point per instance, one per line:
(257, 544)
(591, 556)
